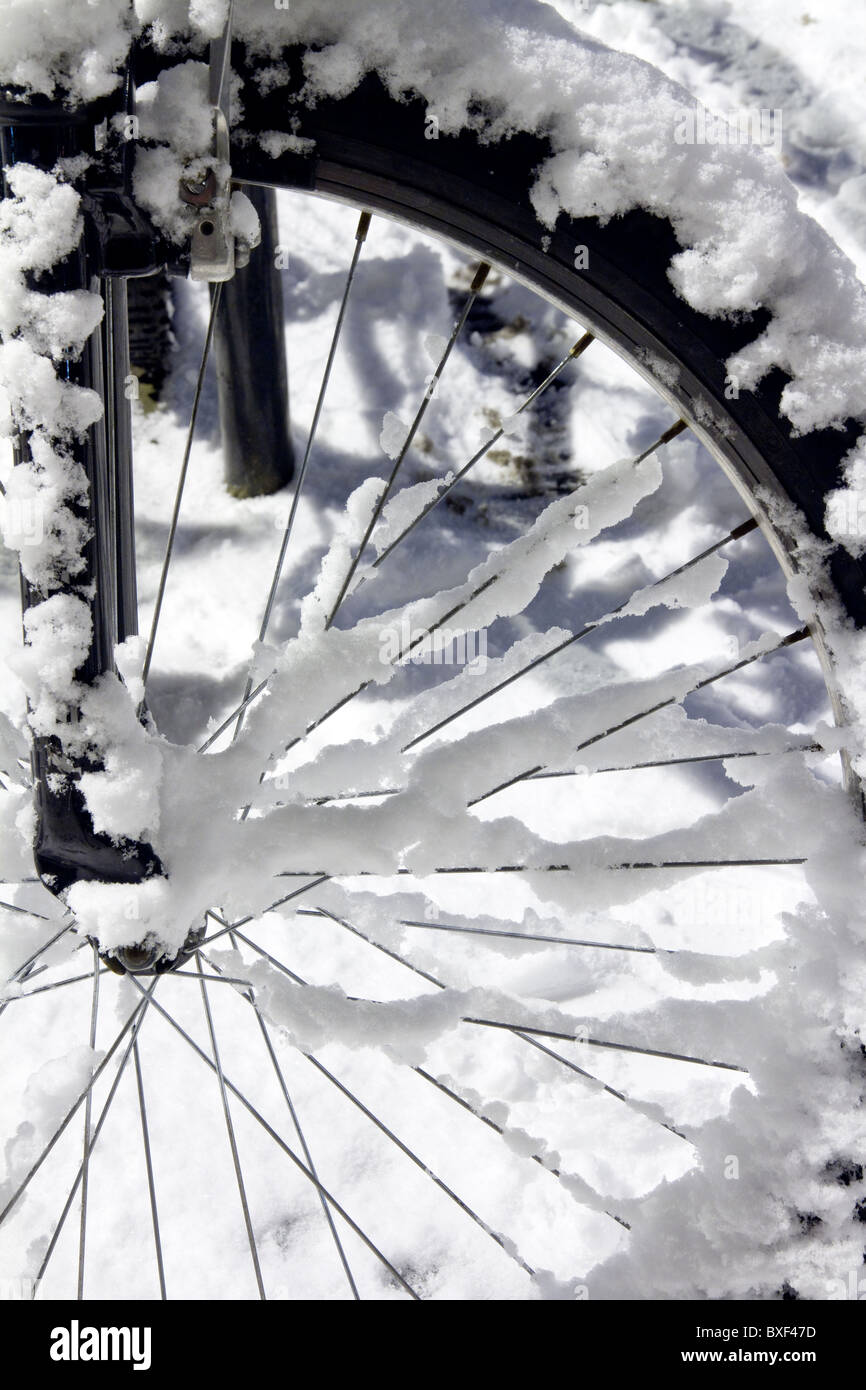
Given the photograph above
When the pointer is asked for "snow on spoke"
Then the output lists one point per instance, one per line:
(584, 769)
(254, 1253)
(525, 553)
(588, 1196)
(505, 1244)
(500, 1130)
(754, 652)
(678, 762)
(289, 1152)
(521, 1031)
(88, 1109)
(254, 946)
(543, 869)
(474, 289)
(500, 586)
(639, 1107)
(249, 692)
(625, 609)
(446, 488)
(233, 926)
(386, 950)
(151, 1186)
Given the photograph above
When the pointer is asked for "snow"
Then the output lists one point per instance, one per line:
(785, 970)
(58, 634)
(613, 127)
(393, 434)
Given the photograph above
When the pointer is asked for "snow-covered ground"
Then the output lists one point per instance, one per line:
(703, 946)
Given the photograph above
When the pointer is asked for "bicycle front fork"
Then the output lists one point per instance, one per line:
(117, 243)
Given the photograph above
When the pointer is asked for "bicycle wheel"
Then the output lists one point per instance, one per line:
(437, 1142)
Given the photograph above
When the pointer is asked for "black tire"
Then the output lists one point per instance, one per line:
(371, 149)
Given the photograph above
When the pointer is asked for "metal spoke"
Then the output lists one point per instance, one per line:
(304, 1145)
(404, 1148)
(36, 954)
(70, 1115)
(249, 694)
(499, 1129)
(299, 1164)
(67, 1207)
(743, 530)
(273, 960)
(233, 926)
(354, 796)
(235, 714)
(596, 771)
(528, 936)
(145, 1139)
(600, 1042)
(786, 641)
(386, 950)
(420, 637)
(590, 1076)
(474, 289)
(545, 869)
(231, 1133)
(25, 911)
(56, 984)
(517, 1029)
(216, 291)
(211, 979)
(570, 356)
(250, 997)
(88, 1107)
(507, 1246)
(680, 762)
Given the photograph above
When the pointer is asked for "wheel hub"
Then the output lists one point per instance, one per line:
(146, 958)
